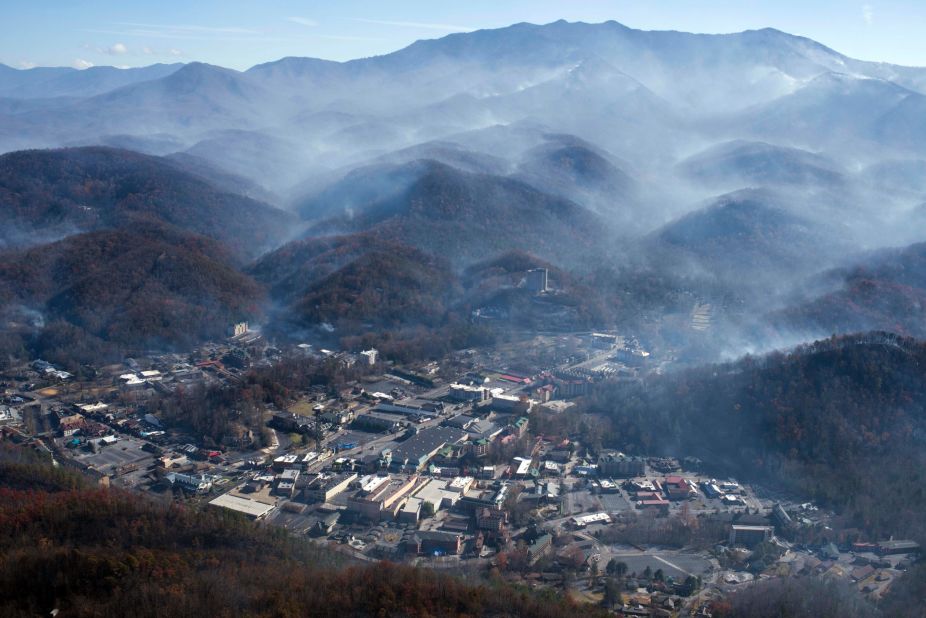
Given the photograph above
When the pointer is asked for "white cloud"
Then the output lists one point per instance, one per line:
(26, 64)
(175, 52)
(81, 64)
(147, 51)
(417, 24)
(302, 21)
(118, 49)
(868, 13)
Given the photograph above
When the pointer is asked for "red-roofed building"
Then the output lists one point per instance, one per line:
(678, 488)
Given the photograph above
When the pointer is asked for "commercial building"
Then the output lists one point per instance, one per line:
(556, 406)
(322, 488)
(519, 426)
(465, 392)
(511, 404)
(380, 497)
(678, 488)
(541, 547)
(411, 511)
(537, 280)
(370, 356)
(491, 519)
(286, 482)
(618, 465)
(435, 543)
(580, 521)
(436, 493)
(886, 548)
(197, 483)
(750, 536)
(246, 506)
(414, 453)
(477, 498)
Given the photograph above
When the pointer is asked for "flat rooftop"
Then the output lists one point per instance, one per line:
(251, 508)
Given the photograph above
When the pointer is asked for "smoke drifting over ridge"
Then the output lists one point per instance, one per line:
(734, 169)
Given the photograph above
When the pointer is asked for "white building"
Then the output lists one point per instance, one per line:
(371, 355)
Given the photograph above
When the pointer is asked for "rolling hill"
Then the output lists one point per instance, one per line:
(146, 288)
(574, 170)
(887, 291)
(464, 217)
(748, 237)
(741, 164)
(49, 194)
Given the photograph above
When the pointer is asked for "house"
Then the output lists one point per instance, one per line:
(434, 542)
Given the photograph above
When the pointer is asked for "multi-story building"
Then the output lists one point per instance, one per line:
(617, 465)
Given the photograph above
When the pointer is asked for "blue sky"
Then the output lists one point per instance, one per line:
(239, 34)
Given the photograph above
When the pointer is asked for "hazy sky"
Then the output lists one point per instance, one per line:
(242, 33)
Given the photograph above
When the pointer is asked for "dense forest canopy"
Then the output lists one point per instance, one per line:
(67, 545)
(840, 420)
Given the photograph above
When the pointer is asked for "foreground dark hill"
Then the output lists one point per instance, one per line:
(839, 420)
(63, 542)
(117, 290)
(47, 194)
(464, 217)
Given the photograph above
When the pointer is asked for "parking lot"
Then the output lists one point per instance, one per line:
(613, 503)
(111, 458)
(677, 565)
